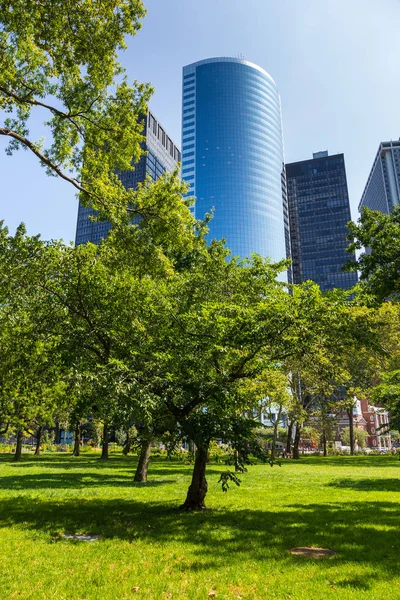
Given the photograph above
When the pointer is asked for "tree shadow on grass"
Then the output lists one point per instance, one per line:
(66, 461)
(374, 461)
(364, 533)
(158, 465)
(79, 472)
(367, 485)
(362, 582)
(73, 481)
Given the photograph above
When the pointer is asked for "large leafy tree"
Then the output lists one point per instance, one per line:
(386, 392)
(30, 367)
(231, 328)
(339, 359)
(59, 60)
(379, 234)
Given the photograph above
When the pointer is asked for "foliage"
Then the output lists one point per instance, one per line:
(341, 358)
(311, 433)
(360, 436)
(60, 59)
(227, 477)
(380, 264)
(218, 452)
(387, 393)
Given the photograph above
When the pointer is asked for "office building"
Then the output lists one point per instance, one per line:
(382, 191)
(161, 155)
(232, 154)
(319, 211)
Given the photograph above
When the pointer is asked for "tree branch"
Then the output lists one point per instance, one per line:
(23, 140)
(55, 111)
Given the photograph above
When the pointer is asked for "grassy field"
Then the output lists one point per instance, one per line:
(238, 549)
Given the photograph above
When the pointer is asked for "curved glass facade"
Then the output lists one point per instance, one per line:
(232, 154)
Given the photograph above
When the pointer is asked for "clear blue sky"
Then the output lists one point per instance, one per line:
(336, 64)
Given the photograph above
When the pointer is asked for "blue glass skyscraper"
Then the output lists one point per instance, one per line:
(161, 154)
(232, 154)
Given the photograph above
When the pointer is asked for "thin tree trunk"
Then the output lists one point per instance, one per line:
(144, 460)
(236, 457)
(128, 445)
(296, 441)
(38, 438)
(324, 440)
(18, 447)
(275, 434)
(104, 448)
(351, 429)
(198, 488)
(77, 440)
(289, 438)
(57, 436)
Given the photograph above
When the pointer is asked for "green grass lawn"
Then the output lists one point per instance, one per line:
(238, 549)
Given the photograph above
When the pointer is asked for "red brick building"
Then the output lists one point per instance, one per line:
(373, 419)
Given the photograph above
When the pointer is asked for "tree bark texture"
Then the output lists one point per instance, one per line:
(38, 438)
(77, 440)
(57, 433)
(127, 446)
(275, 433)
(104, 447)
(198, 488)
(351, 429)
(324, 440)
(18, 447)
(143, 464)
(289, 438)
(296, 442)
(236, 459)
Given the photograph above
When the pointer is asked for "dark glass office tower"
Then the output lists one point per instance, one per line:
(161, 155)
(382, 191)
(232, 154)
(319, 211)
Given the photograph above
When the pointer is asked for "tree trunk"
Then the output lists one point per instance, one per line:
(198, 488)
(351, 429)
(77, 440)
(18, 447)
(104, 448)
(275, 434)
(191, 446)
(236, 457)
(324, 440)
(289, 438)
(143, 464)
(296, 441)
(128, 445)
(38, 438)
(57, 433)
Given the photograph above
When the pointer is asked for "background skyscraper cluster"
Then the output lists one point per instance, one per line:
(233, 162)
